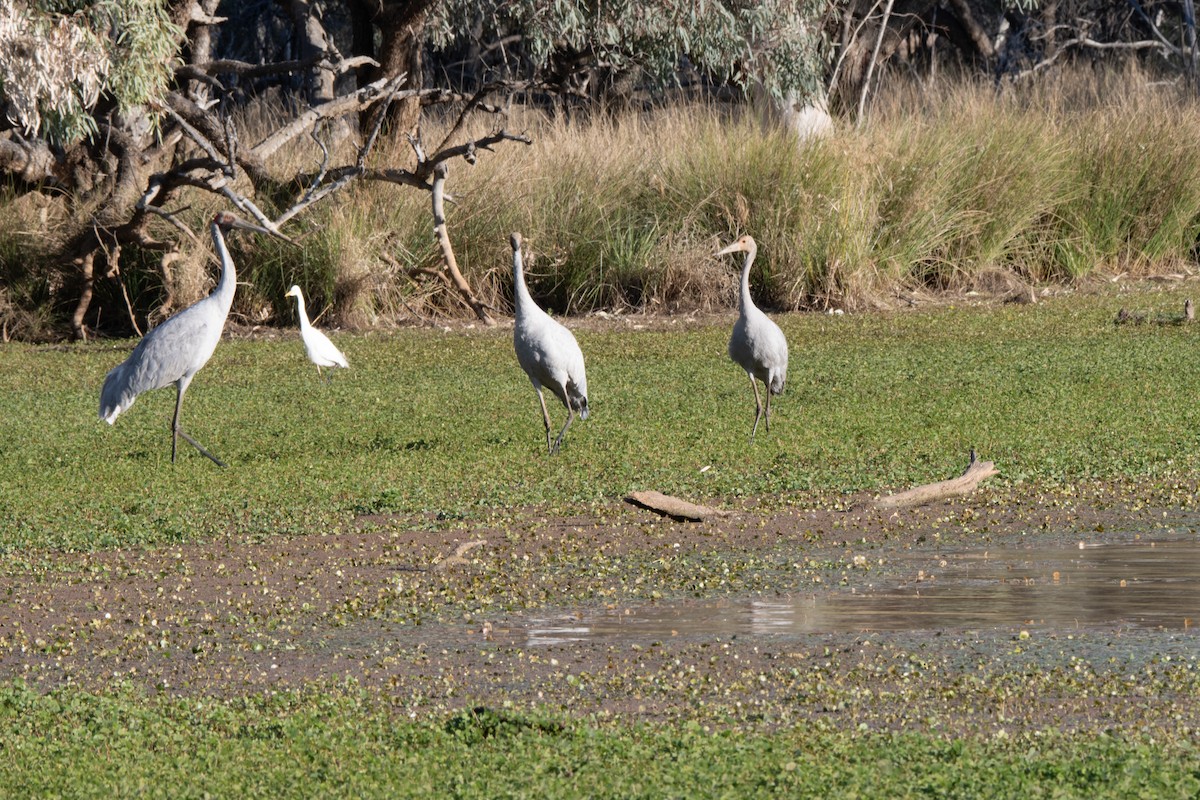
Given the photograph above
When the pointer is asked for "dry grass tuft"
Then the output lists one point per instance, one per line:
(949, 185)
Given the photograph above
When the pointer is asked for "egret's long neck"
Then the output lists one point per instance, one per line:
(228, 282)
(522, 300)
(304, 323)
(747, 302)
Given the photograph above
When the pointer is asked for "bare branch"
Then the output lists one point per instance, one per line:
(363, 98)
(443, 237)
(170, 216)
(1086, 42)
(245, 69)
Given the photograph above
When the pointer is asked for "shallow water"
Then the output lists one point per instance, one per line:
(1145, 584)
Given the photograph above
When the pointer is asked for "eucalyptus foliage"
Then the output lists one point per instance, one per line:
(58, 60)
(777, 43)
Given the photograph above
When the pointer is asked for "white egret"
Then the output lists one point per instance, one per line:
(320, 350)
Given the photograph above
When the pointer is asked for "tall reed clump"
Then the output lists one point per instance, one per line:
(968, 188)
(946, 186)
(1138, 208)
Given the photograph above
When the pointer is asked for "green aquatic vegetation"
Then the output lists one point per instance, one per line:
(340, 742)
(442, 425)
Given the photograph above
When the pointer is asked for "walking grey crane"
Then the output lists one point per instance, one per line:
(547, 352)
(757, 344)
(320, 350)
(174, 352)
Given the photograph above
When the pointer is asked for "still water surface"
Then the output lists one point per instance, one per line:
(1148, 584)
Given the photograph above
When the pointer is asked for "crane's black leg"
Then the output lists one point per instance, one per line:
(545, 418)
(203, 452)
(563, 432)
(767, 391)
(758, 409)
(177, 431)
(179, 390)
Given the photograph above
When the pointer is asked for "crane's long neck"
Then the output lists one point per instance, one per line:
(228, 282)
(522, 300)
(747, 302)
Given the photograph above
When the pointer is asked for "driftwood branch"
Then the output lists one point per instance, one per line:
(459, 557)
(932, 492)
(673, 507)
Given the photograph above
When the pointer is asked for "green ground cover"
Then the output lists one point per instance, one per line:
(443, 426)
(429, 421)
(341, 745)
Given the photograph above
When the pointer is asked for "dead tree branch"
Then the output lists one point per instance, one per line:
(443, 237)
(673, 507)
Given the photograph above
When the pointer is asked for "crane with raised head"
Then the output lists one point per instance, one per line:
(757, 344)
(174, 351)
(321, 351)
(547, 352)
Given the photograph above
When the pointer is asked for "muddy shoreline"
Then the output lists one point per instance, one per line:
(382, 606)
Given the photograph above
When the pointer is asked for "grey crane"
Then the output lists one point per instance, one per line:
(174, 352)
(547, 352)
(320, 350)
(757, 344)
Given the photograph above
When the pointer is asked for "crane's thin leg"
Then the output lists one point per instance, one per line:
(177, 431)
(767, 391)
(545, 418)
(203, 452)
(758, 409)
(179, 390)
(319, 375)
(563, 432)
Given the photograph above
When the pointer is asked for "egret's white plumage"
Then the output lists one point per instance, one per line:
(547, 352)
(320, 350)
(757, 344)
(174, 352)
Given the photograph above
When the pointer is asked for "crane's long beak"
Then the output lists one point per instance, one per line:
(733, 248)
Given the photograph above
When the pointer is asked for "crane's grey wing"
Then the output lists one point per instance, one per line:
(759, 347)
(551, 357)
(178, 347)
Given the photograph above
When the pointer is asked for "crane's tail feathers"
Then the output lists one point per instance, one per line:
(777, 385)
(115, 397)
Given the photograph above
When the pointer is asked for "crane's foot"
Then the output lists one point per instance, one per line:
(757, 416)
(199, 447)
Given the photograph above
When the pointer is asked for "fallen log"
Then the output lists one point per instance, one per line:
(459, 556)
(673, 507)
(932, 492)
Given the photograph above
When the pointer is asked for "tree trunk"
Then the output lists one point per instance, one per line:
(197, 17)
(313, 43)
(401, 25)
